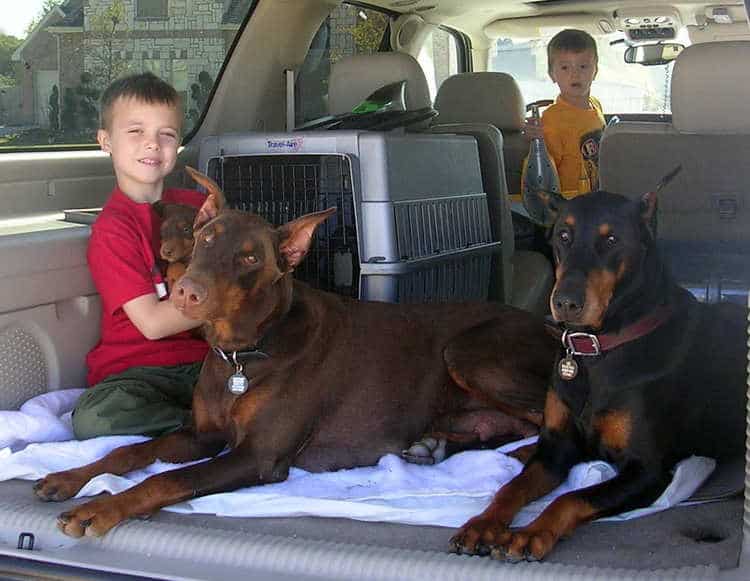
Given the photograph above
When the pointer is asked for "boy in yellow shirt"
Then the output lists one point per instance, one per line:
(572, 127)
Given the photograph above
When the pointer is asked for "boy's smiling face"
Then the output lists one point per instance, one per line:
(574, 72)
(142, 139)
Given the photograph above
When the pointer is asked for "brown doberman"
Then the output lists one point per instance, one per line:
(645, 377)
(301, 377)
(176, 237)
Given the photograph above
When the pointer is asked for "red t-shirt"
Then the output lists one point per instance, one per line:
(122, 255)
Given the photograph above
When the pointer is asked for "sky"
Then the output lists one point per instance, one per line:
(17, 14)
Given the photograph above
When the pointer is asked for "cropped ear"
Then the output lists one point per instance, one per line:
(296, 237)
(544, 207)
(215, 200)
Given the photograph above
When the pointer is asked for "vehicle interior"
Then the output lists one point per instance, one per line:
(427, 184)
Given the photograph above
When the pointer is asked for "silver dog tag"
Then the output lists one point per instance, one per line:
(238, 383)
(567, 368)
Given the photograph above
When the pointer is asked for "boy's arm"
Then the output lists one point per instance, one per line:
(157, 319)
(115, 257)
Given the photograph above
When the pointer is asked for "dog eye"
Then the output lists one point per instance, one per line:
(611, 240)
(208, 238)
(188, 230)
(249, 259)
(564, 237)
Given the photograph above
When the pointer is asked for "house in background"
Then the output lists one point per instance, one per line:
(176, 39)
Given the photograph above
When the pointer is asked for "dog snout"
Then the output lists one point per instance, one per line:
(188, 293)
(569, 298)
(167, 251)
(568, 307)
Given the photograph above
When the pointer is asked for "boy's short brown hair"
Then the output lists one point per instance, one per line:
(146, 87)
(571, 40)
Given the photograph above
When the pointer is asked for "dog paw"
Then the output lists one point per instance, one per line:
(58, 486)
(92, 519)
(525, 545)
(426, 451)
(479, 536)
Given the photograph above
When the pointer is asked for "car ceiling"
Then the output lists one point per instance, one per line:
(472, 16)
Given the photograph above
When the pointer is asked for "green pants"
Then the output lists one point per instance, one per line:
(142, 400)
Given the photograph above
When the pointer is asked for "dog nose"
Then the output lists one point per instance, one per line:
(167, 252)
(568, 307)
(189, 293)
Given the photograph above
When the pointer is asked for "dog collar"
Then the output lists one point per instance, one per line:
(238, 383)
(591, 345)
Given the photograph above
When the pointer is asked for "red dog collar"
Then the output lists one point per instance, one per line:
(588, 344)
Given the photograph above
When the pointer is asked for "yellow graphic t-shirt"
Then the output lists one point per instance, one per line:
(572, 137)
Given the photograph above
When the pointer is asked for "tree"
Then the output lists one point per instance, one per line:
(69, 116)
(8, 45)
(88, 100)
(47, 5)
(199, 92)
(107, 32)
(79, 107)
(54, 109)
(368, 32)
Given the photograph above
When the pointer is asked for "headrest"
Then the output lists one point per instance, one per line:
(709, 88)
(493, 98)
(354, 78)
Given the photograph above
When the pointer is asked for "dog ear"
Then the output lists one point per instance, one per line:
(543, 207)
(215, 200)
(296, 237)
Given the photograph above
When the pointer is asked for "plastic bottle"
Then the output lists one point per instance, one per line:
(541, 173)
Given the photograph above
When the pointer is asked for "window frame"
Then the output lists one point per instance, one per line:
(140, 17)
(186, 138)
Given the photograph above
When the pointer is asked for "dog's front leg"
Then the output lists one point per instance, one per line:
(634, 487)
(556, 452)
(183, 445)
(233, 470)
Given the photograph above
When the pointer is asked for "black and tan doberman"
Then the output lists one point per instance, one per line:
(645, 376)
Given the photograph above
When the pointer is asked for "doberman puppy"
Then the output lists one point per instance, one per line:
(302, 377)
(176, 237)
(646, 376)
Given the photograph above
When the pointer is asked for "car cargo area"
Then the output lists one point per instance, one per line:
(408, 117)
(700, 541)
(692, 542)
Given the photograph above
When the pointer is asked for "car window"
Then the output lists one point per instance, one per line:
(621, 88)
(351, 30)
(53, 72)
(348, 30)
(439, 58)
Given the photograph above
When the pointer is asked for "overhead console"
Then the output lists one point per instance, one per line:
(648, 23)
(718, 23)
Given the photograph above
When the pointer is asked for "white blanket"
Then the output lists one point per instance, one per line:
(36, 440)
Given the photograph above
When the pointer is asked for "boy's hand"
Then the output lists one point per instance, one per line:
(207, 212)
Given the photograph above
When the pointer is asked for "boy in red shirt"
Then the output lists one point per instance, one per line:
(143, 369)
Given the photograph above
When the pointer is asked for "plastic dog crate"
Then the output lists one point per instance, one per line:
(412, 222)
